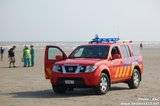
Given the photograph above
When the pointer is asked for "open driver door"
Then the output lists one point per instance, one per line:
(53, 54)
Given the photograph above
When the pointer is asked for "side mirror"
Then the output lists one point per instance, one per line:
(110, 58)
(116, 56)
(65, 56)
(59, 57)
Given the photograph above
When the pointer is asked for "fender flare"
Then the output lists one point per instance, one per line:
(104, 68)
(135, 65)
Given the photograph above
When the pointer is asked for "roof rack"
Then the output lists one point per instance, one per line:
(104, 40)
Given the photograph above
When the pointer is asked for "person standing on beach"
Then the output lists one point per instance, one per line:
(2, 52)
(32, 56)
(141, 45)
(26, 56)
(11, 56)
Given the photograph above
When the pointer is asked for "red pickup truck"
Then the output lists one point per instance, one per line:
(96, 65)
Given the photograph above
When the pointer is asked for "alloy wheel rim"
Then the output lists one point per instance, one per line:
(136, 79)
(103, 84)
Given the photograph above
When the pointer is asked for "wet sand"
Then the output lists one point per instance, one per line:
(27, 86)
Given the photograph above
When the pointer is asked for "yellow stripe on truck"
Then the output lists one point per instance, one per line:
(117, 71)
(131, 72)
(124, 71)
(120, 73)
(127, 72)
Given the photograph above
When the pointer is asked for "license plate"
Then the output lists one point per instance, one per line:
(69, 81)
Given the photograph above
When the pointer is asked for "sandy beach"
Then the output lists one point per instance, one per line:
(28, 87)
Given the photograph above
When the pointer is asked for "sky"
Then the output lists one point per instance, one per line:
(79, 20)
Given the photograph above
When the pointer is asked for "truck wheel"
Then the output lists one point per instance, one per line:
(135, 80)
(59, 89)
(104, 85)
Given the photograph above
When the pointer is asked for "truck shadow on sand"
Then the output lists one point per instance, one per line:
(51, 94)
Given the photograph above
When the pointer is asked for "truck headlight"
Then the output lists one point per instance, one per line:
(57, 68)
(91, 68)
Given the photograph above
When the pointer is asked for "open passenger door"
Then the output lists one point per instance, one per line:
(53, 54)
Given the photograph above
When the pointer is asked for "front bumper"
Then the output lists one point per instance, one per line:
(80, 79)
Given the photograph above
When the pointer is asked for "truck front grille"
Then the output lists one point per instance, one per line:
(70, 69)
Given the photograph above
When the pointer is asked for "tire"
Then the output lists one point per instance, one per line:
(59, 89)
(104, 85)
(135, 80)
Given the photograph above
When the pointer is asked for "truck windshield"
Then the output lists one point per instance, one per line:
(90, 51)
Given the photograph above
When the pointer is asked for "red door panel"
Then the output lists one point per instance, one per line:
(115, 66)
(53, 54)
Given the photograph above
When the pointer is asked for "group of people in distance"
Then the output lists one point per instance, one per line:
(28, 56)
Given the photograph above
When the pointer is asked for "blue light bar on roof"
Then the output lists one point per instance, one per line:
(107, 40)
